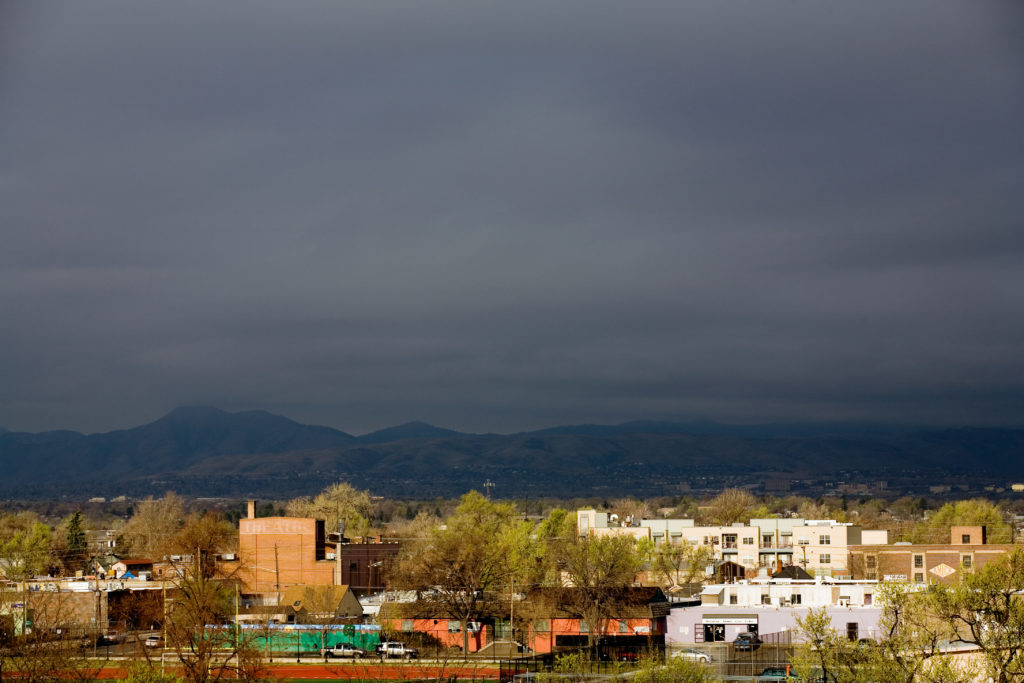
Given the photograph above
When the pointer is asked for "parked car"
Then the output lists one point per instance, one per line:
(154, 641)
(692, 655)
(390, 648)
(777, 672)
(746, 642)
(341, 650)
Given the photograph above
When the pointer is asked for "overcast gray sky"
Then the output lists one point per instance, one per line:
(509, 215)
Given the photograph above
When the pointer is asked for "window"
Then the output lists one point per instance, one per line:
(867, 599)
(852, 630)
(966, 561)
(802, 541)
(966, 539)
(796, 598)
(407, 625)
(733, 599)
(919, 578)
(825, 558)
(749, 540)
(584, 627)
(826, 539)
(705, 540)
(766, 599)
(623, 627)
(766, 540)
(871, 561)
(918, 561)
(542, 625)
(454, 626)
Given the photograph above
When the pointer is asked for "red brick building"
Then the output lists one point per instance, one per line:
(926, 563)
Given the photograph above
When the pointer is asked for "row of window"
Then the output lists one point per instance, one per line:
(871, 561)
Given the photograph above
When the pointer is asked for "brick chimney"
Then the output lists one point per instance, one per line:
(252, 509)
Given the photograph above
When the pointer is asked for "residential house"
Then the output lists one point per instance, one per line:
(132, 568)
(322, 604)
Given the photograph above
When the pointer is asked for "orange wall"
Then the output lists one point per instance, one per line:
(293, 563)
(438, 628)
(544, 641)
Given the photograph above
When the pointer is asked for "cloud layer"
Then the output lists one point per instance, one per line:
(498, 216)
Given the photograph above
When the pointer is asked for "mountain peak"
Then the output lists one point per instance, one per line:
(408, 430)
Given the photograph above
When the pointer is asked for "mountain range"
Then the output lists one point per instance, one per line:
(209, 452)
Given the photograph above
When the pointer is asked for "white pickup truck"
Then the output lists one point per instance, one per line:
(390, 648)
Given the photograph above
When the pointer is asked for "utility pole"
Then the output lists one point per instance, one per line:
(277, 575)
(488, 486)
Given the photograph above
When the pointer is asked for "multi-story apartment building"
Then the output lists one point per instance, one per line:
(738, 543)
(776, 540)
(822, 546)
(667, 530)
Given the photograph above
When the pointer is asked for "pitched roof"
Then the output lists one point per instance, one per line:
(792, 572)
(639, 602)
(313, 599)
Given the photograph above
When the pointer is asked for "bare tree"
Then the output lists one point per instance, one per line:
(731, 505)
(152, 526)
(45, 645)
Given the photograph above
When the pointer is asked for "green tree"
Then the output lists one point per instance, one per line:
(672, 670)
(985, 608)
(976, 512)
(76, 542)
(909, 650)
(824, 653)
(681, 563)
(338, 503)
(912, 638)
(25, 546)
(478, 549)
(598, 572)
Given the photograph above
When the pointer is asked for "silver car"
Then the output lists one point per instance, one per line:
(692, 655)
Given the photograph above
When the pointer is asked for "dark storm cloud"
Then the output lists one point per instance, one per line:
(508, 215)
